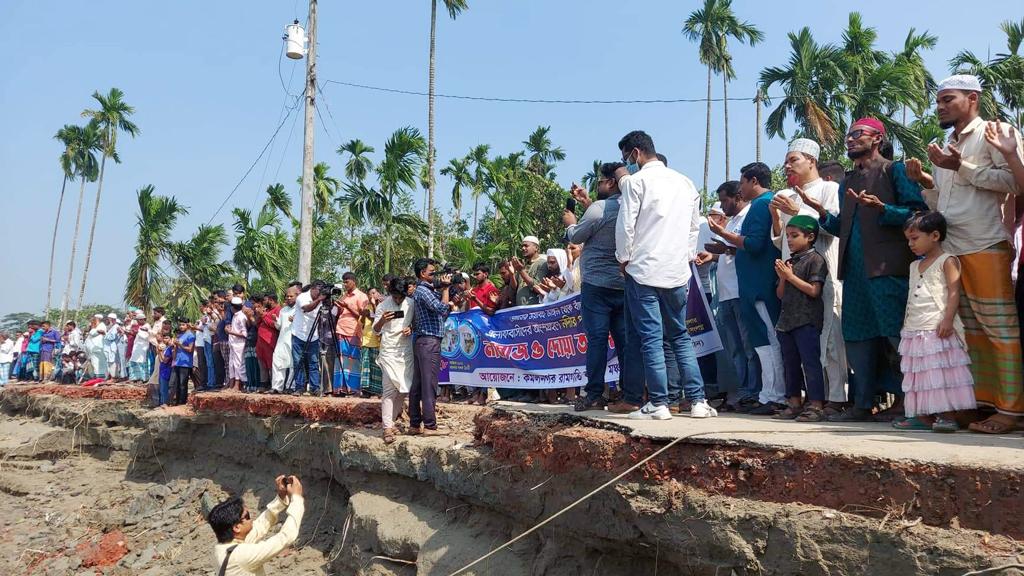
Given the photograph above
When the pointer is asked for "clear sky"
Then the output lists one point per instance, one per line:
(204, 79)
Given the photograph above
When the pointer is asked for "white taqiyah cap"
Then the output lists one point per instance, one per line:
(98, 316)
(961, 82)
(716, 208)
(139, 314)
(236, 300)
(112, 315)
(806, 146)
(533, 239)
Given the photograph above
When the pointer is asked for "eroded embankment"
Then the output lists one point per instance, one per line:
(432, 505)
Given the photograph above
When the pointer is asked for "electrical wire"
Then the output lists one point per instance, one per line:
(625, 473)
(291, 109)
(327, 105)
(566, 101)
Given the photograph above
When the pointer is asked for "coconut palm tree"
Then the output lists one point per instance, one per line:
(66, 135)
(325, 187)
(397, 174)
(198, 263)
(809, 80)
(155, 221)
(113, 116)
(454, 7)
(358, 166)
(1002, 77)
(591, 178)
(458, 170)
(87, 140)
(279, 198)
(711, 27)
(911, 57)
(261, 246)
(542, 154)
(478, 155)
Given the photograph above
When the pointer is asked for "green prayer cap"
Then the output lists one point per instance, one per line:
(804, 222)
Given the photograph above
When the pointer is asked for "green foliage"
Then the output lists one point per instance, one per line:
(155, 222)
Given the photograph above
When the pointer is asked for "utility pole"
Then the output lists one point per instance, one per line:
(306, 214)
(757, 134)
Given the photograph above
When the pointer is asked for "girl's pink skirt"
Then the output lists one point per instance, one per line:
(936, 373)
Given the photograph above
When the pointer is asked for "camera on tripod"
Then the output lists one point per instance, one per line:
(331, 290)
(457, 279)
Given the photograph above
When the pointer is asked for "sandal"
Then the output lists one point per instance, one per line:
(992, 426)
(389, 436)
(945, 426)
(811, 414)
(790, 413)
(911, 424)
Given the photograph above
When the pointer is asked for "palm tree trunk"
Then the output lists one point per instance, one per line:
(757, 127)
(430, 136)
(725, 108)
(53, 247)
(707, 135)
(92, 233)
(74, 250)
(387, 249)
(476, 206)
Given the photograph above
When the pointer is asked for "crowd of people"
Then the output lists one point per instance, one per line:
(882, 292)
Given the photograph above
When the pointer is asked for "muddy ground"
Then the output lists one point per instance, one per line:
(106, 487)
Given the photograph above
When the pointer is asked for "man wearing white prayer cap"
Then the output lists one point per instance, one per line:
(801, 167)
(973, 188)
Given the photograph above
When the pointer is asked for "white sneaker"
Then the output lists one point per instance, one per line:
(651, 412)
(701, 409)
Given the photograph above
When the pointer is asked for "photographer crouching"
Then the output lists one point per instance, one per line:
(241, 548)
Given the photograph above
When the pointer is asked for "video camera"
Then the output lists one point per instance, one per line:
(449, 270)
(331, 290)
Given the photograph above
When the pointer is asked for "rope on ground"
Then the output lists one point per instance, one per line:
(994, 569)
(641, 463)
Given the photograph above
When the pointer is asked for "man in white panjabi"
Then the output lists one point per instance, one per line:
(801, 166)
(94, 346)
(393, 321)
(282, 360)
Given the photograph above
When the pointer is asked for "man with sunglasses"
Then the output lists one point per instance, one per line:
(241, 548)
(874, 264)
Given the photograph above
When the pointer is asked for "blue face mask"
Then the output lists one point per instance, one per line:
(632, 167)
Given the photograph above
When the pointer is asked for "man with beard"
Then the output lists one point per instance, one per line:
(874, 262)
(759, 303)
(603, 296)
(801, 166)
(970, 188)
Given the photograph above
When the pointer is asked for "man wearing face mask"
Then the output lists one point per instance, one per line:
(655, 240)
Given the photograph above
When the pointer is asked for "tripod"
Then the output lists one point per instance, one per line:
(327, 304)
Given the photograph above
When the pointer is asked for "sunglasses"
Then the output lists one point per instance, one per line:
(856, 134)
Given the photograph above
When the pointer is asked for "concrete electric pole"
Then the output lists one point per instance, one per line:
(306, 214)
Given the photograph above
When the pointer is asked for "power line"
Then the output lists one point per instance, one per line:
(764, 98)
(255, 162)
(327, 105)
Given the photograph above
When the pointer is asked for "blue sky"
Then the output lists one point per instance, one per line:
(203, 77)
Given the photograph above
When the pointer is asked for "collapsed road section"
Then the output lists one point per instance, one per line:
(91, 482)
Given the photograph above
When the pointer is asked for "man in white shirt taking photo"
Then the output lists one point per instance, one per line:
(658, 203)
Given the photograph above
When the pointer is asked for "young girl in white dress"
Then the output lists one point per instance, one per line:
(937, 380)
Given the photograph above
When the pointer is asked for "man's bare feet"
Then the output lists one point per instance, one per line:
(996, 424)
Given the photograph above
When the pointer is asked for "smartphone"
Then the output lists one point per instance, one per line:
(399, 314)
(570, 204)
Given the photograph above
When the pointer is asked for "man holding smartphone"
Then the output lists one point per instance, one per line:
(604, 308)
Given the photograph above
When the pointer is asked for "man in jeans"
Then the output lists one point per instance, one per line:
(306, 340)
(604, 308)
(428, 326)
(655, 240)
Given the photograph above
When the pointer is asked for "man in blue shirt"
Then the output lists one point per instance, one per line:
(604, 305)
(181, 368)
(428, 326)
